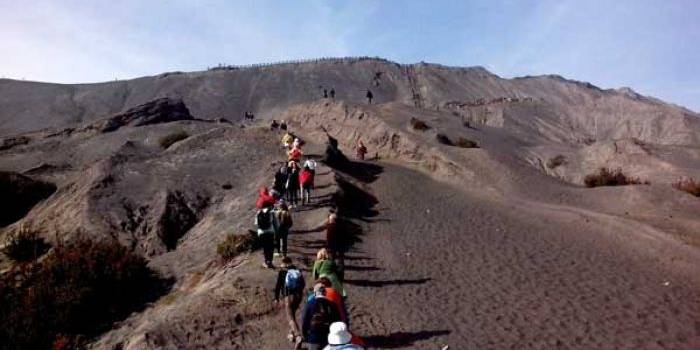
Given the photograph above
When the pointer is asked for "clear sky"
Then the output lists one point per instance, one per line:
(651, 46)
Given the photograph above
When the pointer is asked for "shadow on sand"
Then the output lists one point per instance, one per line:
(396, 282)
(401, 339)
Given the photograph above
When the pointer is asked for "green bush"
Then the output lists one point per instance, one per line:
(419, 124)
(167, 140)
(607, 177)
(78, 291)
(466, 143)
(233, 245)
(24, 245)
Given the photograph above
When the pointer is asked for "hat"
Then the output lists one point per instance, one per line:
(339, 334)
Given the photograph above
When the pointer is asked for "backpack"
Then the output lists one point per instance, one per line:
(285, 219)
(322, 316)
(265, 220)
(293, 280)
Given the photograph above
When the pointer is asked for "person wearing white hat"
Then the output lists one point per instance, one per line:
(340, 338)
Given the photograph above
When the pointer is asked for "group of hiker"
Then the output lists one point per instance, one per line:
(324, 319)
(326, 93)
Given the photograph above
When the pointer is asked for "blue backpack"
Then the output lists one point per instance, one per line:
(293, 280)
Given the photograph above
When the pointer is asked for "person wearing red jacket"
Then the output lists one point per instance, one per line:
(264, 198)
(306, 182)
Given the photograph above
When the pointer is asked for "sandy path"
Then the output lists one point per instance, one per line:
(436, 267)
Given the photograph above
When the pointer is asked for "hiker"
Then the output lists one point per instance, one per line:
(292, 185)
(290, 286)
(361, 150)
(294, 154)
(287, 140)
(319, 313)
(306, 182)
(297, 143)
(334, 296)
(274, 125)
(325, 267)
(339, 338)
(284, 220)
(267, 225)
(325, 93)
(283, 125)
(334, 241)
(264, 198)
(280, 182)
(311, 164)
(333, 93)
(369, 96)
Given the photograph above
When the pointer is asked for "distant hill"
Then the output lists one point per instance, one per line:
(579, 109)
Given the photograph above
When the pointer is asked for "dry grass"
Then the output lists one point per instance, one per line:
(234, 245)
(607, 177)
(418, 124)
(688, 185)
(76, 292)
(167, 140)
(557, 161)
(466, 143)
(24, 245)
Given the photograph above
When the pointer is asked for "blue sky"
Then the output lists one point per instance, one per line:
(651, 46)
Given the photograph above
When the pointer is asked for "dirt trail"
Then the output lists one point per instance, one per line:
(436, 267)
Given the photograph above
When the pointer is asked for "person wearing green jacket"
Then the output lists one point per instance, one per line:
(324, 266)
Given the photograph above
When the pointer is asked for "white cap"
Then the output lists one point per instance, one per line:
(339, 334)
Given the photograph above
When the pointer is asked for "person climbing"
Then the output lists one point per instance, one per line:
(264, 198)
(334, 242)
(325, 267)
(334, 296)
(285, 222)
(333, 93)
(292, 185)
(280, 182)
(319, 313)
(306, 180)
(267, 226)
(287, 140)
(361, 150)
(339, 338)
(369, 96)
(283, 125)
(297, 143)
(290, 286)
(294, 154)
(325, 93)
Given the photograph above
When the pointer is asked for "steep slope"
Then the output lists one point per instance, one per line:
(555, 108)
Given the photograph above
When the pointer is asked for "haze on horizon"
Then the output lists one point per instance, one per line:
(651, 46)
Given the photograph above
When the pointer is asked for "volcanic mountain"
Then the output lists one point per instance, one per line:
(470, 225)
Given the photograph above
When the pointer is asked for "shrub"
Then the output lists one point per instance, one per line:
(688, 185)
(76, 292)
(234, 245)
(558, 160)
(607, 177)
(466, 143)
(419, 124)
(24, 245)
(167, 140)
(443, 139)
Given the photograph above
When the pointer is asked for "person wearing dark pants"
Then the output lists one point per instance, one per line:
(267, 225)
(284, 220)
